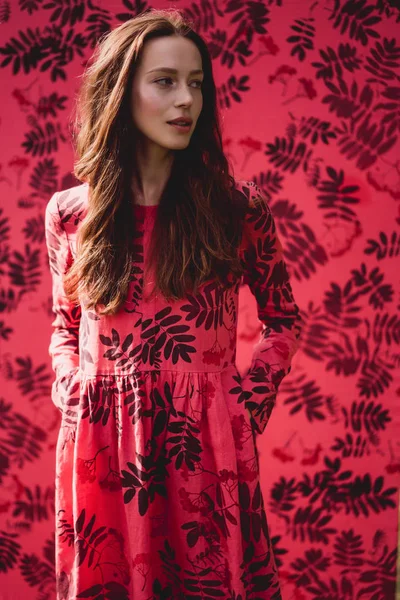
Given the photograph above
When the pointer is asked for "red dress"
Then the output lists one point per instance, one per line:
(157, 478)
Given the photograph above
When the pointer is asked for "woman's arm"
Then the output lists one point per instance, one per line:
(64, 341)
(268, 279)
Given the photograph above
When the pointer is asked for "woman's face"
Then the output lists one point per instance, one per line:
(167, 86)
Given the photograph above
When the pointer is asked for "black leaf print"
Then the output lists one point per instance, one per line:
(105, 340)
(306, 395)
(25, 52)
(80, 521)
(148, 481)
(196, 530)
(256, 503)
(219, 495)
(111, 590)
(252, 514)
(185, 445)
(220, 46)
(384, 248)
(369, 417)
(160, 422)
(100, 24)
(317, 130)
(259, 582)
(171, 569)
(10, 550)
(37, 506)
(251, 19)
(24, 270)
(244, 496)
(135, 7)
(82, 542)
(303, 39)
(345, 58)
(249, 553)
(261, 410)
(349, 550)
(54, 46)
(303, 249)
(207, 311)
(98, 404)
(309, 524)
(337, 492)
(355, 446)
(39, 572)
(160, 410)
(70, 15)
(44, 140)
(218, 513)
(119, 351)
(231, 90)
(5, 12)
(337, 197)
(71, 208)
(204, 18)
(243, 396)
(135, 402)
(289, 155)
(143, 499)
(198, 583)
(51, 105)
(368, 147)
(89, 526)
(221, 522)
(356, 19)
(127, 342)
(4, 230)
(168, 336)
(375, 377)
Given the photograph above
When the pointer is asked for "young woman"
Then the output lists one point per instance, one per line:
(157, 489)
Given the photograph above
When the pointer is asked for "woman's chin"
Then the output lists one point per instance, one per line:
(178, 144)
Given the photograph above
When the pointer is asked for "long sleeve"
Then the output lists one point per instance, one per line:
(64, 341)
(268, 279)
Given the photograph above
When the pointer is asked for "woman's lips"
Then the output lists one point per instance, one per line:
(181, 128)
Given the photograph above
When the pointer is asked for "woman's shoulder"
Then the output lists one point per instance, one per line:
(71, 200)
(73, 196)
(67, 208)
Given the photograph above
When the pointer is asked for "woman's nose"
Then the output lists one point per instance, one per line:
(184, 95)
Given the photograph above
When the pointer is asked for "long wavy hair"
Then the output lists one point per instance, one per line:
(197, 228)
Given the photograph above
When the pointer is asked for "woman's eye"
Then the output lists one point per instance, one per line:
(163, 79)
(168, 79)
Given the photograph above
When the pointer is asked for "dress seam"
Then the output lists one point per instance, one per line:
(154, 371)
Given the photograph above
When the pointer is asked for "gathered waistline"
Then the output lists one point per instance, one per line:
(140, 371)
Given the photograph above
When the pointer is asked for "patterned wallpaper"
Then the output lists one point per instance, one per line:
(310, 98)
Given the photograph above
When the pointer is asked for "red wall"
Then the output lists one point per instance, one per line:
(310, 98)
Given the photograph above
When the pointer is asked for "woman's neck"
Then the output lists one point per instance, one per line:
(152, 176)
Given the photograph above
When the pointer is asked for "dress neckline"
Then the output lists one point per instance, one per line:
(145, 207)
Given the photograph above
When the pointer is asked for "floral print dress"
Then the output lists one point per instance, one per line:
(157, 476)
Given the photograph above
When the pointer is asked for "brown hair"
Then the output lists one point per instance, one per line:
(197, 226)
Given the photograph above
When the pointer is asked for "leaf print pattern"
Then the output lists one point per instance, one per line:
(157, 442)
(267, 278)
(64, 347)
(330, 98)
